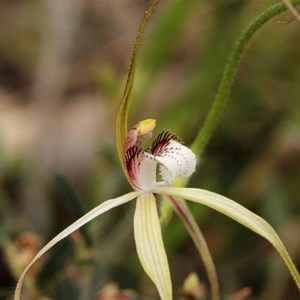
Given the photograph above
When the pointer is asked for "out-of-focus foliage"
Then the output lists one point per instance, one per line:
(62, 70)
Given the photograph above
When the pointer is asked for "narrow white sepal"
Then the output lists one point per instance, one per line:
(238, 213)
(100, 209)
(149, 244)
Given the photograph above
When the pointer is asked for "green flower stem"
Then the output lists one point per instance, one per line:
(122, 117)
(221, 97)
(185, 215)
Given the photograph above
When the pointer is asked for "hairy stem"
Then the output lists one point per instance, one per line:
(221, 97)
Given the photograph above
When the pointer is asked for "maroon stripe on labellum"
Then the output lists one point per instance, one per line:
(130, 155)
(132, 160)
(163, 140)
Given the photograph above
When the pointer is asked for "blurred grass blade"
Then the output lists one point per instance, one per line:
(122, 116)
(238, 213)
(149, 244)
(73, 202)
(100, 209)
(55, 262)
(292, 9)
(69, 194)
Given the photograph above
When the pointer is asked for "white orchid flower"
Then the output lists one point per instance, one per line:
(174, 160)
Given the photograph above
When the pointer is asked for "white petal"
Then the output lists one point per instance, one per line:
(238, 213)
(176, 160)
(149, 244)
(146, 177)
(100, 209)
(141, 168)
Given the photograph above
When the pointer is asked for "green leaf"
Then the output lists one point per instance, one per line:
(149, 244)
(238, 213)
(100, 209)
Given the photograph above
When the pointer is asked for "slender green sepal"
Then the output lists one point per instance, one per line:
(238, 213)
(97, 211)
(149, 244)
(122, 117)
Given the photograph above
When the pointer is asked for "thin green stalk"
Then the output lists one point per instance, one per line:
(221, 97)
(188, 219)
(122, 117)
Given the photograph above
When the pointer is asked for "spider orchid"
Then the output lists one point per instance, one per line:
(174, 160)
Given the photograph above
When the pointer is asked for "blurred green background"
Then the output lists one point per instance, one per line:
(63, 65)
